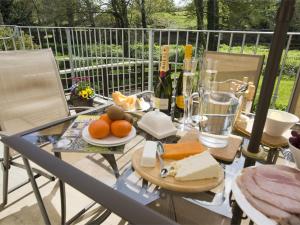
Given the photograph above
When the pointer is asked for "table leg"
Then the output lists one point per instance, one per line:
(272, 155)
(62, 190)
(112, 162)
(101, 218)
(5, 168)
(144, 184)
(171, 207)
(80, 213)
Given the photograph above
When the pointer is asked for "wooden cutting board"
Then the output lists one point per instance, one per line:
(169, 183)
(226, 154)
(266, 139)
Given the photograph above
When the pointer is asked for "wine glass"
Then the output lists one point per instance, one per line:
(209, 73)
(190, 66)
(207, 76)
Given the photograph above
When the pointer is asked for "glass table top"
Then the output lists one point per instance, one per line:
(115, 170)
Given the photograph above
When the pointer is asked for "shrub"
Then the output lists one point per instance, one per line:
(15, 41)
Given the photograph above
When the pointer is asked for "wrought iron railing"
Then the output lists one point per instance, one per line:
(125, 59)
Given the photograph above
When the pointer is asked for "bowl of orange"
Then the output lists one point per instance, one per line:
(113, 128)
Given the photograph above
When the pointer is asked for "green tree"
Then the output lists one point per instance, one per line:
(16, 12)
(89, 9)
(212, 22)
(199, 9)
(120, 12)
(141, 4)
(57, 12)
(1, 19)
(6, 7)
(295, 23)
(67, 12)
(248, 14)
(152, 11)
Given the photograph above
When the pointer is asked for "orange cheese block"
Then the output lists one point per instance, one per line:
(182, 150)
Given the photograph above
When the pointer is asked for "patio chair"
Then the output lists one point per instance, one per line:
(236, 66)
(31, 95)
(294, 105)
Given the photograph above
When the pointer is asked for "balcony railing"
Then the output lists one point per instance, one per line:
(126, 59)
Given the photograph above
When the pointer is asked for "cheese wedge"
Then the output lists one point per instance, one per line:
(196, 167)
(139, 103)
(182, 150)
(149, 154)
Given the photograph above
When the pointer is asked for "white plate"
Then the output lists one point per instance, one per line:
(109, 141)
(256, 216)
(145, 106)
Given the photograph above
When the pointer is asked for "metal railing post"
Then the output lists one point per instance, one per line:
(70, 54)
(17, 35)
(292, 104)
(150, 64)
(275, 94)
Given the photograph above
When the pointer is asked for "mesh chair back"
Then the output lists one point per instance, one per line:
(236, 66)
(30, 89)
(226, 85)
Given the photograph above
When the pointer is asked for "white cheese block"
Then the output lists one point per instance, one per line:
(149, 154)
(196, 167)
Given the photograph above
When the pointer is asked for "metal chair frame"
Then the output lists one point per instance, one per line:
(294, 104)
(7, 161)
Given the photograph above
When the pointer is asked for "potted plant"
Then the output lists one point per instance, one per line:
(81, 93)
(294, 143)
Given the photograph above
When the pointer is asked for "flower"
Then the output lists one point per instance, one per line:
(82, 89)
(83, 94)
(89, 91)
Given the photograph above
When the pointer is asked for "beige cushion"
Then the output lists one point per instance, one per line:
(236, 66)
(30, 89)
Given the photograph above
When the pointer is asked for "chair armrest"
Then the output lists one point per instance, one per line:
(80, 107)
(144, 92)
(4, 134)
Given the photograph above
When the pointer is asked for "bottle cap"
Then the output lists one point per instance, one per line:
(188, 52)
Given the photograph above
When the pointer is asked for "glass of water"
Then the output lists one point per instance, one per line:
(209, 73)
(190, 66)
(217, 114)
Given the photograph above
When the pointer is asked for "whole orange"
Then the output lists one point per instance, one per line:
(106, 118)
(99, 129)
(120, 128)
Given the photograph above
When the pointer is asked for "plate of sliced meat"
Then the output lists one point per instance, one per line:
(269, 194)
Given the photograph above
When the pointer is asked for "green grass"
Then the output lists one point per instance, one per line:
(284, 92)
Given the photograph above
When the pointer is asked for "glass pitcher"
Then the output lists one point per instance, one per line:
(218, 107)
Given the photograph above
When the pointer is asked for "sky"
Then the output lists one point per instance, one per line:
(180, 2)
